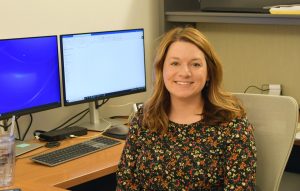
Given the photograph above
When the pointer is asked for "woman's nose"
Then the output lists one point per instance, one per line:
(185, 70)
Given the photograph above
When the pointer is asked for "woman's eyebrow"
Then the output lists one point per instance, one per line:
(175, 58)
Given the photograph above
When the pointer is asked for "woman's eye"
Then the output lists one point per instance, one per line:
(174, 63)
(197, 64)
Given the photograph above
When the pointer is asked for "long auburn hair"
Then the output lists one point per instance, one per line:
(219, 106)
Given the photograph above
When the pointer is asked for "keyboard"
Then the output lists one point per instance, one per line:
(75, 151)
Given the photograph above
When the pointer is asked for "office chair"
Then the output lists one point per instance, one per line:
(275, 119)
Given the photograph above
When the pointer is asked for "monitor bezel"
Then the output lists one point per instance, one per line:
(103, 96)
(43, 107)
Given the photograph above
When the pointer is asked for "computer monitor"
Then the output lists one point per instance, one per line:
(29, 75)
(101, 65)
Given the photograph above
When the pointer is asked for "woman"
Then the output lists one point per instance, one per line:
(190, 135)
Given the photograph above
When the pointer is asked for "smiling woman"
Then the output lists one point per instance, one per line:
(190, 135)
(185, 75)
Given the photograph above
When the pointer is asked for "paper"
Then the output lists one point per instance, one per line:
(285, 9)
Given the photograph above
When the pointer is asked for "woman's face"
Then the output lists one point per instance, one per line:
(184, 70)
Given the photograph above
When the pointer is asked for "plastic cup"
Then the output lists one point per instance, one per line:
(7, 159)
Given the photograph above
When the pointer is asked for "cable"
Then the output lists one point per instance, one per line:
(78, 119)
(252, 86)
(85, 110)
(131, 115)
(129, 103)
(103, 102)
(97, 107)
(30, 123)
(18, 130)
(5, 126)
(27, 129)
(83, 113)
(37, 133)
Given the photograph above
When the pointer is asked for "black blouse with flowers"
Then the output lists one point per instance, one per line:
(189, 157)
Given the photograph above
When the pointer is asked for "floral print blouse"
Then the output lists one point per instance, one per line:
(189, 157)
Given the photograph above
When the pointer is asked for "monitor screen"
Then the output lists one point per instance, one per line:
(29, 75)
(100, 65)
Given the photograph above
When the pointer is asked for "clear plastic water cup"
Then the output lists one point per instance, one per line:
(7, 159)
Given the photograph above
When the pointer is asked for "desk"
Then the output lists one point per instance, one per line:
(30, 176)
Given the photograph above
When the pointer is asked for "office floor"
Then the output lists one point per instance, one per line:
(106, 183)
(290, 182)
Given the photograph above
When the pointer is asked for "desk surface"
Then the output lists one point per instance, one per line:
(30, 176)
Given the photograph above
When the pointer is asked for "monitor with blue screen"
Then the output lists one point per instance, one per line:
(29, 75)
(101, 65)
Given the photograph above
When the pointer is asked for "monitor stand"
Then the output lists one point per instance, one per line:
(96, 124)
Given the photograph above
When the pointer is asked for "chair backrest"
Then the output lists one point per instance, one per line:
(275, 119)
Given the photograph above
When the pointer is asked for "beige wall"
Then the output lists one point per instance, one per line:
(257, 54)
(49, 17)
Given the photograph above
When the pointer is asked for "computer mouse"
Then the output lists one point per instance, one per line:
(52, 144)
(118, 129)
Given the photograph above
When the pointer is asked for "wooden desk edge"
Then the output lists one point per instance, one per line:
(88, 177)
(32, 176)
